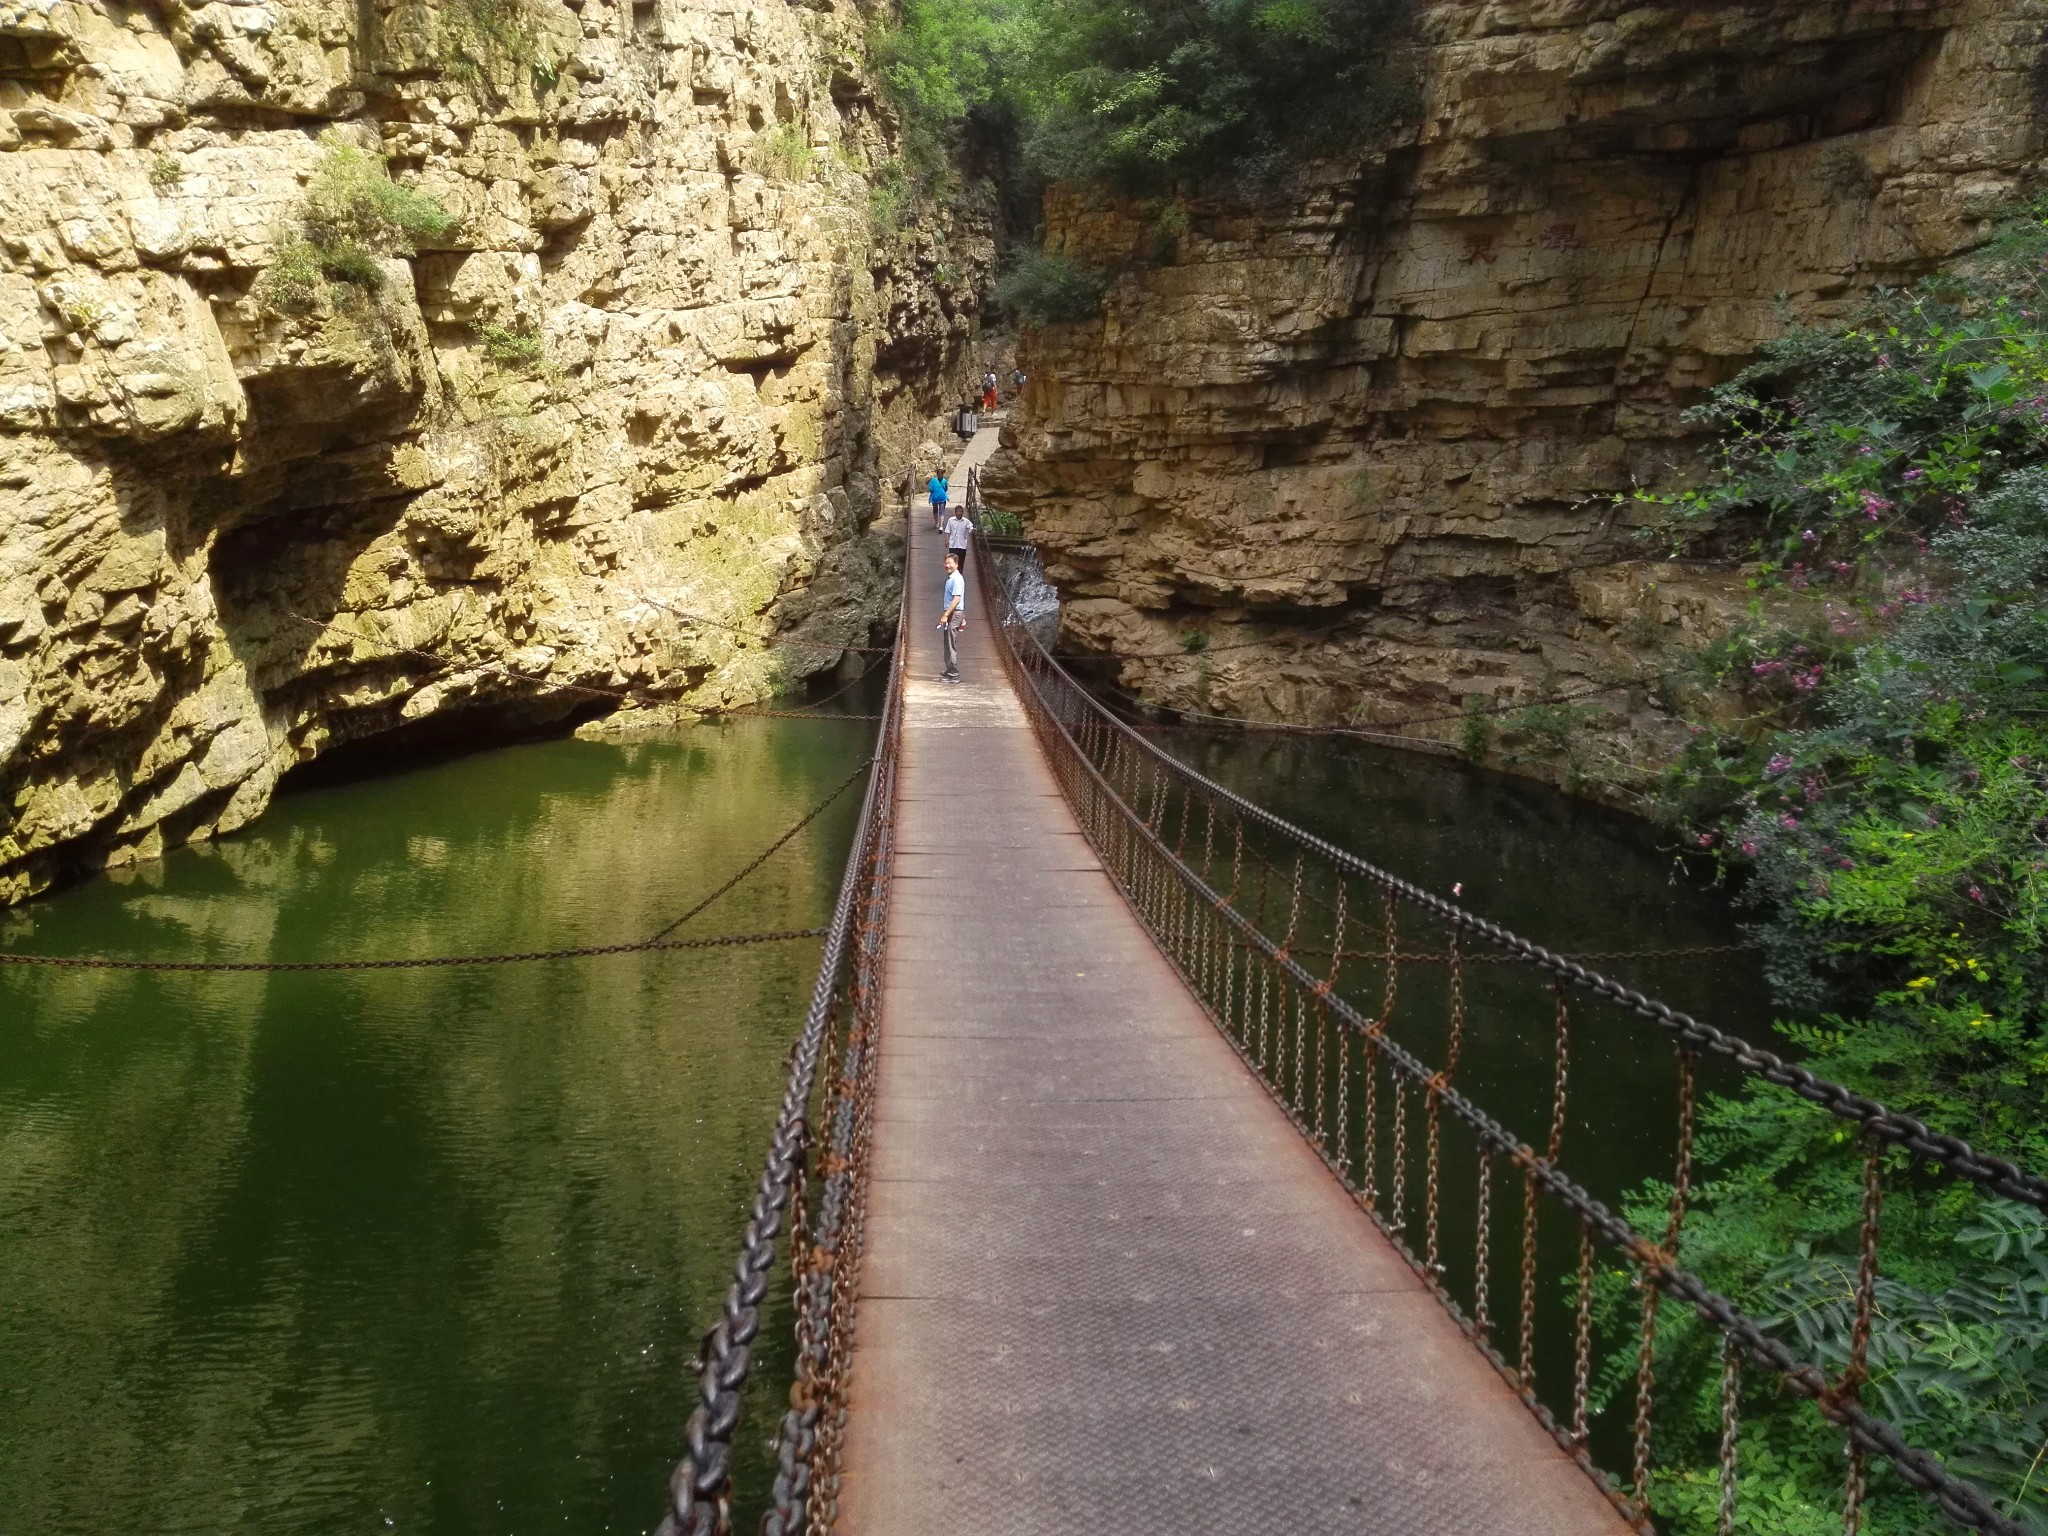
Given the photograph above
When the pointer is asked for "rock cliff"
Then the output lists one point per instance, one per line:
(1366, 436)
(367, 361)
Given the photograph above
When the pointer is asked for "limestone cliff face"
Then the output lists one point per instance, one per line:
(1379, 421)
(657, 372)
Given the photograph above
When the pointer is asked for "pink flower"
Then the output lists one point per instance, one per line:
(1914, 474)
(1778, 764)
(1706, 841)
(1749, 848)
(1847, 863)
(1789, 822)
(1808, 536)
(1975, 894)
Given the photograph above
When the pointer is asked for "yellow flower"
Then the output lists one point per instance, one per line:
(1920, 981)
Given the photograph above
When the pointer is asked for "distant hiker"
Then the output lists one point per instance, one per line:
(953, 619)
(937, 490)
(959, 533)
(1017, 382)
(988, 390)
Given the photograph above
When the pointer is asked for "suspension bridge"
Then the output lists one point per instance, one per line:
(1126, 1181)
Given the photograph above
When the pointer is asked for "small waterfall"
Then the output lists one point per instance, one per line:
(1036, 600)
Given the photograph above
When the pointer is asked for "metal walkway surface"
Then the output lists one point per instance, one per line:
(1108, 1288)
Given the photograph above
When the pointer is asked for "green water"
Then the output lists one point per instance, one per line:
(426, 1251)
(1571, 876)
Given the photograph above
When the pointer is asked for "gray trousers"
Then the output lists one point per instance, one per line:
(950, 638)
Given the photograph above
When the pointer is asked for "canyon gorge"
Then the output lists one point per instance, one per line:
(455, 366)
(1363, 454)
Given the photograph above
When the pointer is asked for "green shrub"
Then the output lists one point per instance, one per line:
(165, 172)
(351, 264)
(353, 202)
(1002, 525)
(784, 152)
(483, 41)
(353, 215)
(890, 191)
(293, 281)
(522, 350)
(1843, 442)
(1475, 729)
(1168, 225)
(1043, 288)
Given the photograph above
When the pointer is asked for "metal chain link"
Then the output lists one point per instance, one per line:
(700, 1487)
(1582, 1338)
(1674, 1224)
(1482, 1256)
(1731, 1427)
(1856, 1371)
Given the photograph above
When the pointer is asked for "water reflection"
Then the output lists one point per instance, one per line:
(426, 1250)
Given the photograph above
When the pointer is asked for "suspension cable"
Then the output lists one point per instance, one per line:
(422, 962)
(659, 940)
(766, 853)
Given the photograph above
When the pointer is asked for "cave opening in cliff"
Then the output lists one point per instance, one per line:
(443, 737)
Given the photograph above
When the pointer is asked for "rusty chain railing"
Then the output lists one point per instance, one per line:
(1243, 904)
(813, 1186)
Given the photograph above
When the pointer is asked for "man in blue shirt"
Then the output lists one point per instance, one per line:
(954, 619)
(939, 491)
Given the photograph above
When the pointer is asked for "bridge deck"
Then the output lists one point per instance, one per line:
(1108, 1289)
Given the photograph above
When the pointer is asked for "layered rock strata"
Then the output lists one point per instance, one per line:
(1371, 441)
(593, 445)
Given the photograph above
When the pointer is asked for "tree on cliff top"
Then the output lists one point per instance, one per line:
(1142, 93)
